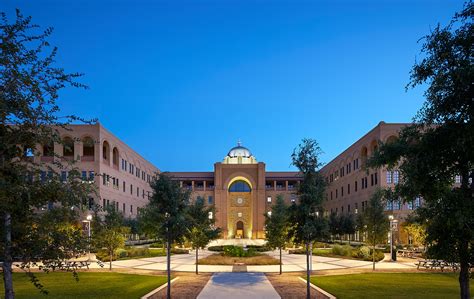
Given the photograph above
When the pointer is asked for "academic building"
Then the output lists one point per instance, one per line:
(242, 191)
(239, 187)
(120, 174)
(350, 185)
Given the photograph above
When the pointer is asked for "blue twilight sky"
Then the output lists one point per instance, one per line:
(182, 81)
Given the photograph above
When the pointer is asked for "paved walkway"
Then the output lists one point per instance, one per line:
(291, 263)
(238, 285)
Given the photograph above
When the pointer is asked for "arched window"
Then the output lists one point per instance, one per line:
(239, 186)
(115, 157)
(106, 151)
(363, 155)
(48, 149)
(88, 147)
(68, 147)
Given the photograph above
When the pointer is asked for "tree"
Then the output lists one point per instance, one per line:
(415, 229)
(308, 223)
(348, 225)
(165, 214)
(201, 229)
(29, 88)
(277, 226)
(435, 150)
(375, 222)
(334, 225)
(109, 233)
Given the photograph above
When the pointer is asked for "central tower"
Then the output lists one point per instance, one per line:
(240, 192)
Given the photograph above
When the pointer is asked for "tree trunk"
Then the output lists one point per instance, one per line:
(280, 261)
(197, 271)
(8, 260)
(464, 272)
(373, 258)
(110, 261)
(168, 268)
(308, 274)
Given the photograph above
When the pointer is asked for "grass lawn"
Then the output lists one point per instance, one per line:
(220, 259)
(90, 285)
(391, 285)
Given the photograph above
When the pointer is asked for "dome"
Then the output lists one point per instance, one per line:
(239, 151)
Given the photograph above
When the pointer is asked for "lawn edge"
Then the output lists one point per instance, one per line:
(153, 292)
(327, 294)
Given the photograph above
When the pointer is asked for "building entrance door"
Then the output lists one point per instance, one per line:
(239, 231)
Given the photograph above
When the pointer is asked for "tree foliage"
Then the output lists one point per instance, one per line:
(277, 226)
(308, 223)
(109, 232)
(440, 145)
(29, 88)
(374, 222)
(165, 214)
(201, 226)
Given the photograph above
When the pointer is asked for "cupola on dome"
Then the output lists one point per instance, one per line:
(239, 155)
(239, 151)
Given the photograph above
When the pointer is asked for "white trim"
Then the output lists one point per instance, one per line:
(148, 295)
(328, 295)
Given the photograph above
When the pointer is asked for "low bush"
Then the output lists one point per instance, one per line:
(179, 251)
(237, 251)
(216, 248)
(157, 245)
(344, 250)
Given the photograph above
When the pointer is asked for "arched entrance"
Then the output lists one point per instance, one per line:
(239, 230)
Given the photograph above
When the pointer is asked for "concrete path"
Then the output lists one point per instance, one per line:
(238, 285)
(291, 263)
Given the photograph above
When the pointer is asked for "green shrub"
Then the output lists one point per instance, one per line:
(237, 251)
(103, 255)
(121, 253)
(344, 250)
(215, 248)
(138, 251)
(157, 245)
(179, 251)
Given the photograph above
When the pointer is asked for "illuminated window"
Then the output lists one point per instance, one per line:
(269, 199)
(239, 186)
(389, 177)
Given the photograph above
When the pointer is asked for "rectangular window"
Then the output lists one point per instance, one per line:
(63, 176)
(342, 191)
(417, 202)
(269, 199)
(395, 177)
(43, 176)
(362, 183)
(348, 208)
(375, 179)
(123, 186)
(143, 193)
(348, 189)
(210, 200)
(331, 195)
(389, 177)
(131, 189)
(410, 205)
(131, 209)
(355, 186)
(389, 206)
(336, 193)
(123, 208)
(457, 179)
(138, 192)
(84, 175)
(372, 179)
(103, 203)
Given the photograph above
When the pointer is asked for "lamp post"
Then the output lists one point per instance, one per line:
(393, 226)
(88, 221)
